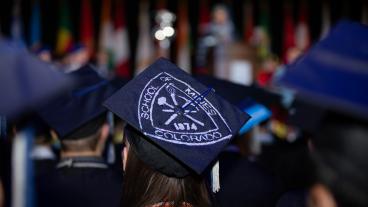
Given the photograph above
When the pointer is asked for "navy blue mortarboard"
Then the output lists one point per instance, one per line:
(79, 106)
(236, 93)
(179, 115)
(334, 71)
(26, 81)
(241, 96)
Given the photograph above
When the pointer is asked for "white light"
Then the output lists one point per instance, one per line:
(168, 31)
(160, 35)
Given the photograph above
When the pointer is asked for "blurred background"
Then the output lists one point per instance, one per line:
(201, 36)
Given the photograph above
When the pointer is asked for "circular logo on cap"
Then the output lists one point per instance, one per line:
(171, 110)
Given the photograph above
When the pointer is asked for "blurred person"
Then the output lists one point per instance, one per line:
(76, 57)
(82, 177)
(332, 75)
(166, 157)
(44, 53)
(339, 151)
(217, 35)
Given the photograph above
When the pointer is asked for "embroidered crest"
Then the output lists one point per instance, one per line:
(171, 110)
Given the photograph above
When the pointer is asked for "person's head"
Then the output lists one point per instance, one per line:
(340, 150)
(88, 139)
(176, 129)
(145, 186)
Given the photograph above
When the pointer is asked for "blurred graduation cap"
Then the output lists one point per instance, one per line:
(240, 96)
(239, 93)
(80, 106)
(333, 73)
(185, 124)
(25, 81)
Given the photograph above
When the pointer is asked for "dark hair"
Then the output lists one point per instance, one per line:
(85, 137)
(144, 186)
(341, 150)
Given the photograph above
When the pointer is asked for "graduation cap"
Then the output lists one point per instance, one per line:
(334, 71)
(240, 96)
(79, 106)
(238, 92)
(177, 115)
(26, 81)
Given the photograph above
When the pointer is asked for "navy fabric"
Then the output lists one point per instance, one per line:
(179, 114)
(79, 105)
(26, 81)
(235, 93)
(334, 72)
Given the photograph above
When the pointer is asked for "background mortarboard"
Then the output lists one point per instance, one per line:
(80, 104)
(150, 101)
(334, 72)
(239, 92)
(241, 96)
(26, 81)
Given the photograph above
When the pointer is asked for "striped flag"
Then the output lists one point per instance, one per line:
(86, 27)
(121, 43)
(145, 47)
(183, 37)
(35, 25)
(105, 59)
(64, 37)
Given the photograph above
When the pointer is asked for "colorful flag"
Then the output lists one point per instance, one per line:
(106, 43)
(249, 25)
(64, 36)
(183, 37)
(35, 26)
(289, 33)
(326, 19)
(121, 42)
(145, 47)
(17, 25)
(302, 35)
(86, 26)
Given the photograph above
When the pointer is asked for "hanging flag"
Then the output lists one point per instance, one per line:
(326, 19)
(262, 36)
(105, 59)
(35, 26)
(121, 42)
(249, 25)
(64, 36)
(17, 25)
(204, 17)
(86, 27)
(289, 33)
(183, 35)
(302, 35)
(145, 47)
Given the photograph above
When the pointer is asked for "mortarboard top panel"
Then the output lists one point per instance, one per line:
(79, 105)
(26, 81)
(177, 113)
(334, 72)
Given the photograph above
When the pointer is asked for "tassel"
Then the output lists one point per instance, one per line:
(215, 175)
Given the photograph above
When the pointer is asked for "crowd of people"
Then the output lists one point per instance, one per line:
(73, 136)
